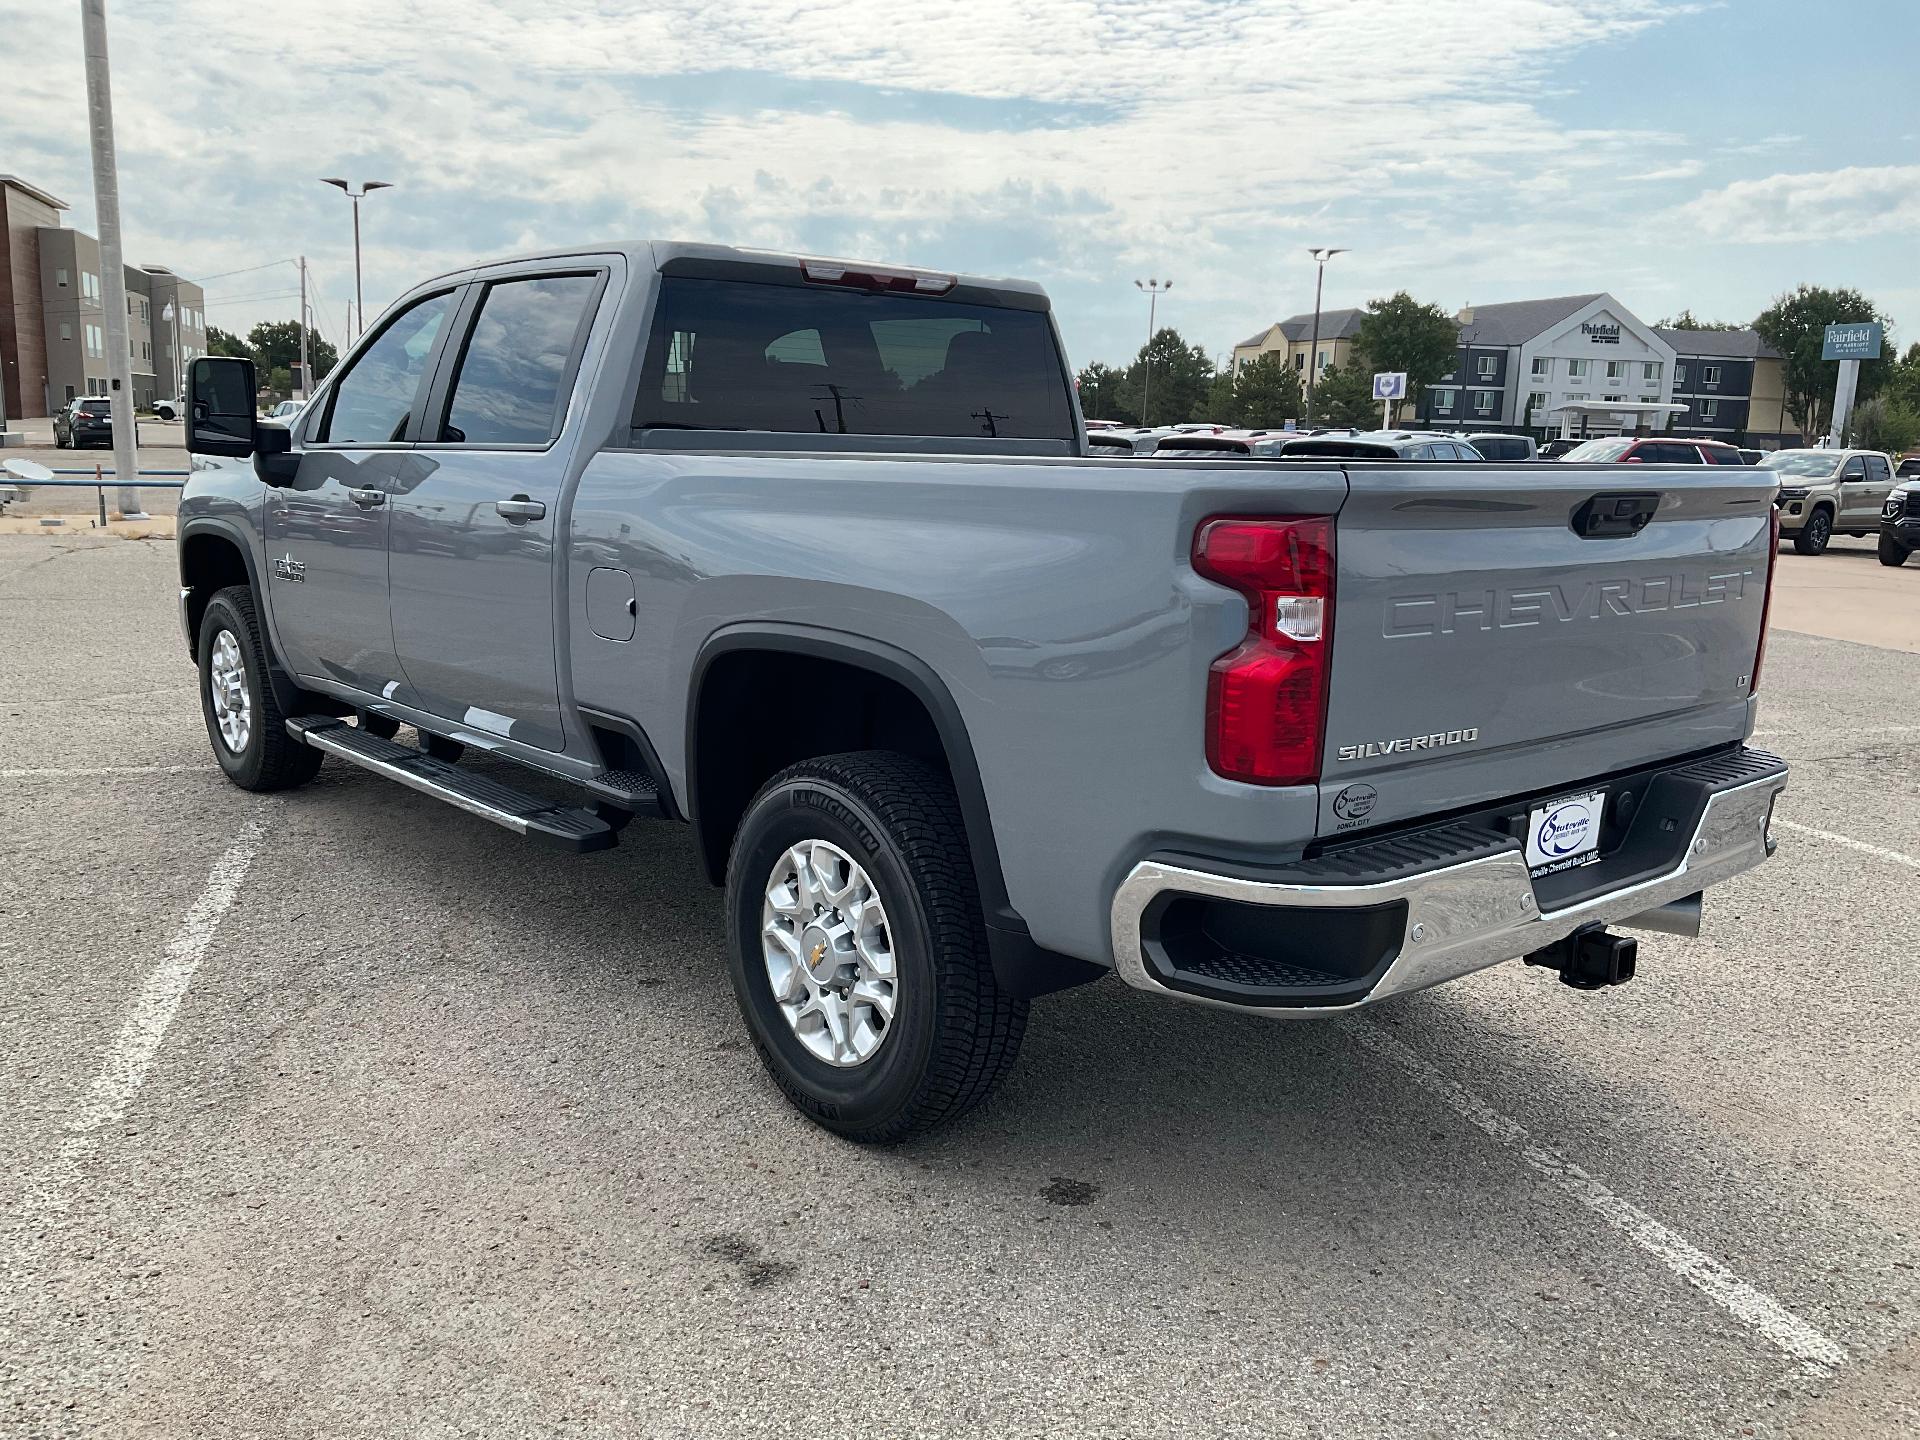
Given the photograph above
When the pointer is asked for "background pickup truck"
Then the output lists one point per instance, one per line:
(808, 555)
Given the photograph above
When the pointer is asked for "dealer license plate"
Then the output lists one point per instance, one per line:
(1564, 834)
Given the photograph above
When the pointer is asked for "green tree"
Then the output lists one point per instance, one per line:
(1796, 325)
(1266, 393)
(1345, 397)
(1182, 380)
(1104, 396)
(1221, 405)
(221, 342)
(276, 344)
(1400, 333)
(1687, 320)
(1886, 424)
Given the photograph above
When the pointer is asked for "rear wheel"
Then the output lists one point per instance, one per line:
(857, 947)
(1815, 534)
(1892, 552)
(244, 721)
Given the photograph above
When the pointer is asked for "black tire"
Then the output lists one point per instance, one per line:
(385, 726)
(58, 442)
(954, 1032)
(441, 748)
(1815, 534)
(271, 759)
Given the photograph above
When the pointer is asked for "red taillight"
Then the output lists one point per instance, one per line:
(1766, 603)
(84, 415)
(872, 277)
(1267, 697)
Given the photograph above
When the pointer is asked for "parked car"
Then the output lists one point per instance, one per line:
(286, 411)
(84, 420)
(1108, 442)
(1908, 468)
(956, 715)
(1653, 450)
(1555, 448)
(1900, 522)
(169, 409)
(1824, 493)
(1502, 446)
(1203, 444)
(1373, 445)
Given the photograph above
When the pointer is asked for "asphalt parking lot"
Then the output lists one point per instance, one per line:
(338, 1114)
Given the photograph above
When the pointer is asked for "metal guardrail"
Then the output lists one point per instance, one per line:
(98, 479)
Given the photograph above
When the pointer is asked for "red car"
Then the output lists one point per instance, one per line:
(1655, 450)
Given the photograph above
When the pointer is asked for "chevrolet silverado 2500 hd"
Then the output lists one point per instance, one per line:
(810, 556)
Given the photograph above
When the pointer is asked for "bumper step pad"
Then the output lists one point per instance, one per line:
(563, 827)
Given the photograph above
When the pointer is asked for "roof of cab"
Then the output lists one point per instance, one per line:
(777, 267)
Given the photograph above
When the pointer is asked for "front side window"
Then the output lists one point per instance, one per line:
(374, 400)
(508, 391)
(742, 355)
(1855, 470)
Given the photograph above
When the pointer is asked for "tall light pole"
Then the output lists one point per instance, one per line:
(356, 196)
(1321, 254)
(1154, 289)
(106, 205)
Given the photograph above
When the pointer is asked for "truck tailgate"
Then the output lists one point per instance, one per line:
(1491, 638)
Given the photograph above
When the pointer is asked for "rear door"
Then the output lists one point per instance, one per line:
(1861, 500)
(471, 554)
(1489, 638)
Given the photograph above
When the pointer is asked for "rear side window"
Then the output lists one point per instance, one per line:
(519, 355)
(1717, 456)
(374, 399)
(733, 355)
(1877, 468)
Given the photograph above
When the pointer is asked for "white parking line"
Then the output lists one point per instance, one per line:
(1761, 1313)
(1879, 852)
(142, 1029)
(89, 772)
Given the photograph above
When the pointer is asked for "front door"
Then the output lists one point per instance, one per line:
(326, 532)
(471, 555)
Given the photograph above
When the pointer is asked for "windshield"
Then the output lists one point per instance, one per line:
(1810, 464)
(1599, 450)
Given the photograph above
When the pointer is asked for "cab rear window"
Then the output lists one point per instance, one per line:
(735, 355)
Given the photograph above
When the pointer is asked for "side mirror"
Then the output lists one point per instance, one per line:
(220, 418)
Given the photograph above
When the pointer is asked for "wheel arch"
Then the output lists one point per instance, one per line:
(727, 761)
(213, 555)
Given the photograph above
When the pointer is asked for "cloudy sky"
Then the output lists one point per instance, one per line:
(1706, 155)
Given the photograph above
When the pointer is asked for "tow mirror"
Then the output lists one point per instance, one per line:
(220, 406)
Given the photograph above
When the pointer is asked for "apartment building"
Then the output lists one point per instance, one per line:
(53, 322)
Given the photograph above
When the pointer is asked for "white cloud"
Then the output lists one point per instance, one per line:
(1079, 142)
(1831, 206)
(1682, 170)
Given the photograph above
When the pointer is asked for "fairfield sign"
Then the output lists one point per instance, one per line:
(1600, 334)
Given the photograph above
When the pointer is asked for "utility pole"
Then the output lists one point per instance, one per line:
(306, 375)
(1321, 254)
(106, 204)
(1154, 289)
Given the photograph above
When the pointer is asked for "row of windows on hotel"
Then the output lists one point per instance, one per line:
(1486, 402)
(94, 339)
(90, 290)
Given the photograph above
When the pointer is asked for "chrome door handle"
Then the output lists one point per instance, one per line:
(368, 499)
(521, 508)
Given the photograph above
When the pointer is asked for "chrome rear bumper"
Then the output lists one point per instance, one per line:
(1459, 918)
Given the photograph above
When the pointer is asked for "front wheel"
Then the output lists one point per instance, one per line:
(858, 949)
(1815, 534)
(1892, 552)
(244, 721)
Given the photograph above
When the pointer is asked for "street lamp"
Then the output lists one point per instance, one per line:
(1321, 254)
(355, 196)
(1154, 289)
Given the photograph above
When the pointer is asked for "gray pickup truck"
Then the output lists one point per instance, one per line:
(809, 556)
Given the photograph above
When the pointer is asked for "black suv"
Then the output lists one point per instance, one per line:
(85, 421)
(1900, 521)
